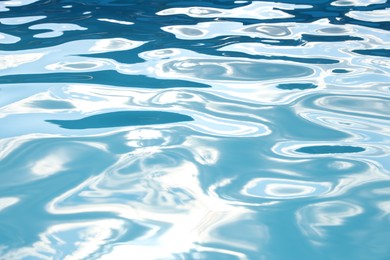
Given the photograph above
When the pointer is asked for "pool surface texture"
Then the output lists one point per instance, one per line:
(210, 129)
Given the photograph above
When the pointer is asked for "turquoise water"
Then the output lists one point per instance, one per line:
(194, 129)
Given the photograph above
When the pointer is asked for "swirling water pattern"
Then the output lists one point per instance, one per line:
(194, 129)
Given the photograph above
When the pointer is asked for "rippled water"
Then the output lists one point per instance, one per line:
(194, 129)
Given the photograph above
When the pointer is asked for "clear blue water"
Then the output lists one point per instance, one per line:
(194, 129)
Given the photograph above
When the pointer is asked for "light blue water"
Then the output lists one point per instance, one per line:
(194, 129)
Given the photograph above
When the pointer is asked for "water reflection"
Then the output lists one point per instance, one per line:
(6, 38)
(115, 21)
(14, 3)
(166, 200)
(115, 44)
(232, 70)
(315, 219)
(55, 28)
(284, 189)
(73, 240)
(12, 61)
(50, 164)
(21, 20)
(7, 202)
(255, 10)
(357, 2)
(371, 16)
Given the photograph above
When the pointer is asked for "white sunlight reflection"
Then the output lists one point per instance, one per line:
(314, 219)
(114, 44)
(81, 65)
(205, 155)
(195, 225)
(21, 20)
(357, 2)
(6, 202)
(14, 3)
(175, 230)
(8, 39)
(282, 189)
(371, 16)
(384, 206)
(77, 240)
(51, 164)
(15, 60)
(115, 21)
(274, 32)
(254, 10)
(57, 29)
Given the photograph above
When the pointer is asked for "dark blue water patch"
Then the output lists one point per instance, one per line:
(122, 118)
(329, 149)
(315, 14)
(374, 52)
(343, 19)
(322, 38)
(301, 86)
(340, 71)
(128, 57)
(51, 104)
(309, 2)
(225, 4)
(111, 78)
(147, 22)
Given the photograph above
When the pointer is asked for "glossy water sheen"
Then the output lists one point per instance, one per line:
(216, 129)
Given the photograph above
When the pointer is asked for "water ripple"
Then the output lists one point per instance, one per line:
(284, 189)
(256, 10)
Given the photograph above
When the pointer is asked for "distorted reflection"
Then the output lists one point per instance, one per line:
(115, 21)
(357, 2)
(166, 195)
(6, 202)
(21, 20)
(15, 60)
(314, 219)
(51, 164)
(57, 29)
(8, 38)
(115, 44)
(255, 10)
(384, 206)
(75, 240)
(14, 3)
(231, 70)
(371, 16)
(284, 189)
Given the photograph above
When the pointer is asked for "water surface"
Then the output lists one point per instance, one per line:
(194, 129)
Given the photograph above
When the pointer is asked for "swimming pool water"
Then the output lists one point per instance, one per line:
(216, 129)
